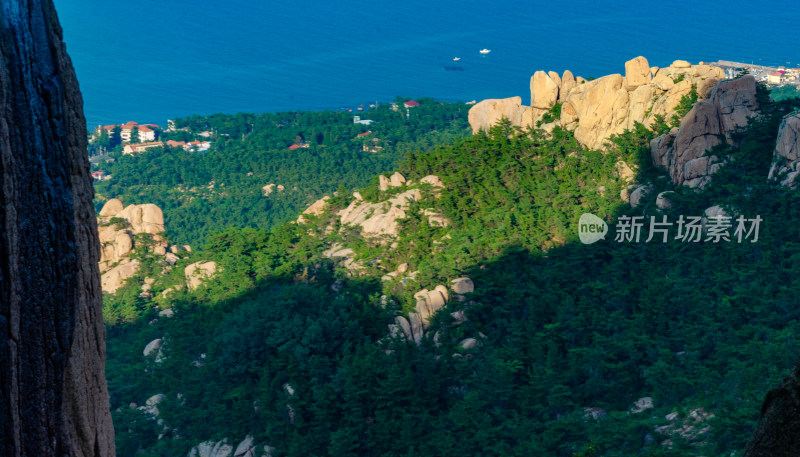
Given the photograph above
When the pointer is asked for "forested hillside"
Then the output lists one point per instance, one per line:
(617, 348)
(204, 192)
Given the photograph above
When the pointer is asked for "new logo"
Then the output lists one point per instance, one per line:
(591, 228)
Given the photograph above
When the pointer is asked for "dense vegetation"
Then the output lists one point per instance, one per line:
(286, 346)
(784, 92)
(202, 193)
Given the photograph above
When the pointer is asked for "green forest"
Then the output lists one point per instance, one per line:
(206, 192)
(293, 348)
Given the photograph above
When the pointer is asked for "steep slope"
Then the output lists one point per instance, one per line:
(53, 395)
(449, 306)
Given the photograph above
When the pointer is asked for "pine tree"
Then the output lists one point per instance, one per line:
(116, 137)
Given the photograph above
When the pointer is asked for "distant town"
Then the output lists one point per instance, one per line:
(772, 76)
(133, 138)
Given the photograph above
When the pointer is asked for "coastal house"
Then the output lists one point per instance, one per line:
(99, 175)
(775, 77)
(176, 144)
(369, 132)
(411, 104)
(298, 146)
(358, 120)
(200, 146)
(141, 147)
(146, 132)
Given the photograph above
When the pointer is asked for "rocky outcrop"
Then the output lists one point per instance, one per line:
(786, 159)
(115, 277)
(710, 122)
(316, 208)
(637, 73)
(376, 219)
(429, 302)
(609, 105)
(245, 448)
(198, 272)
(487, 113)
(434, 181)
(53, 395)
(270, 188)
(346, 255)
(642, 405)
(544, 90)
(146, 218)
(778, 431)
(117, 231)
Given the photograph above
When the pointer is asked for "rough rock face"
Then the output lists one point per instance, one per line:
(429, 302)
(433, 180)
(730, 106)
(53, 395)
(597, 109)
(379, 218)
(111, 208)
(637, 73)
(487, 113)
(787, 151)
(117, 229)
(147, 218)
(544, 90)
(316, 208)
(196, 272)
(778, 431)
(114, 278)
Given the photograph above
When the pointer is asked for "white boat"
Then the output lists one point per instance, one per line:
(456, 59)
(485, 51)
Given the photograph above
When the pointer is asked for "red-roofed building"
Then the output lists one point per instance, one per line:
(146, 131)
(99, 175)
(199, 145)
(410, 104)
(176, 144)
(141, 147)
(365, 133)
(775, 78)
(294, 146)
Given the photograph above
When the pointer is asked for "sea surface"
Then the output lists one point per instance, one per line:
(150, 61)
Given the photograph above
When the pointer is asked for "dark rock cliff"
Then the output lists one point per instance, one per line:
(53, 395)
(778, 431)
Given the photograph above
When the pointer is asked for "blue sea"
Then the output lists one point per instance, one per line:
(150, 61)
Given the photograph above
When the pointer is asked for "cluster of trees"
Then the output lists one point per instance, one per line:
(285, 346)
(106, 142)
(202, 193)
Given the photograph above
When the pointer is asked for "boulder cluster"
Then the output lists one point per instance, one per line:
(682, 151)
(221, 448)
(120, 229)
(270, 188)
(429, 302)
(117, 228)
(380, 220)
(602, 107)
